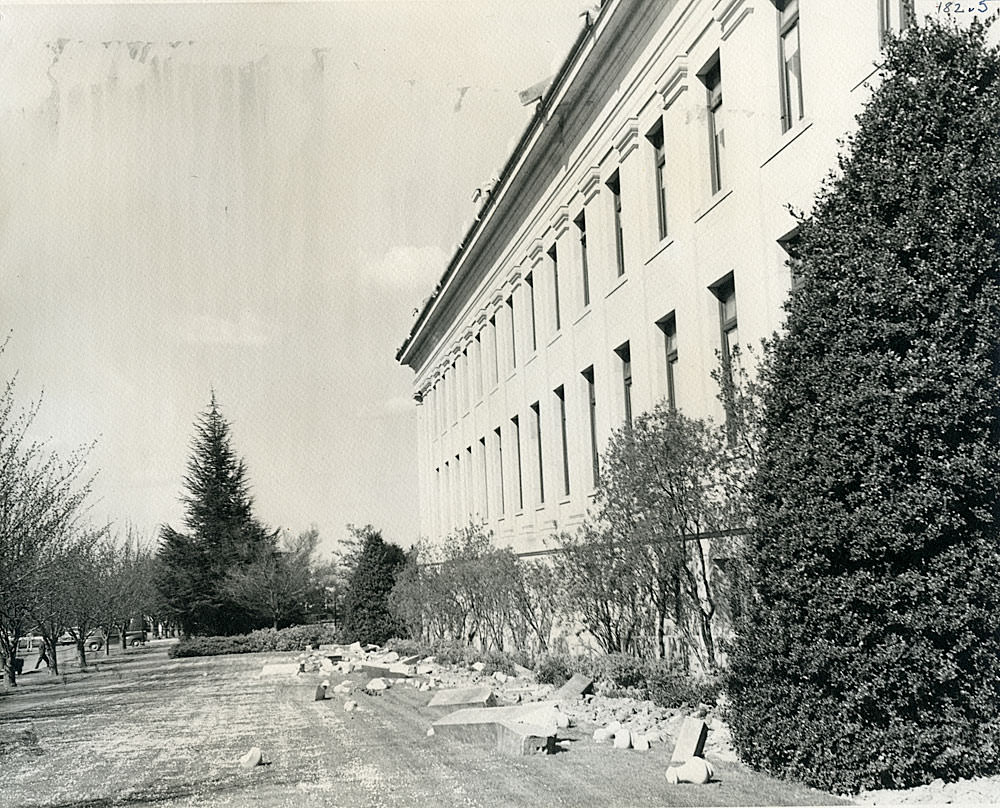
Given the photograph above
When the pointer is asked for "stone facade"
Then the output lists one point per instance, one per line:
(636, 232)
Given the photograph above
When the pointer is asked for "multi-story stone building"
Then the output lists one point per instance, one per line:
(637, 232)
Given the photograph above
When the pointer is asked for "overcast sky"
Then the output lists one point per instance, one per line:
(255, 198)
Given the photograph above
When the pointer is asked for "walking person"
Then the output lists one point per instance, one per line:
(43, 656)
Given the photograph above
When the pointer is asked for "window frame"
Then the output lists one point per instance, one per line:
(614, 185)
(657, 140)
(788, 22)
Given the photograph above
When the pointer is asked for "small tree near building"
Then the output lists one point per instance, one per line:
(869, 655)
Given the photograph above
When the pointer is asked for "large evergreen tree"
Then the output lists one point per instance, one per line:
(367, 613)
(222, 536)
(870, 656)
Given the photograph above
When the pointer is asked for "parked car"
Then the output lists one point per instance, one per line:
(94, 641)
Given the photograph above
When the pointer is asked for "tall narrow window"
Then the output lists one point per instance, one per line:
(529, 281)
(588, 375)
(484, 478)
(725, 291)
(502, 502)
(614, 185)
(560, 394)
(446, 521)
(660, 175)
(536, 417)
(554, 258)
(477, 370)
(459, 494)
(791, 63)
(494, 351)
(581, 224)
(465, 381)
(513, 332)
(893, 14)
(517, 456)
(469, 480)
(668, 325)
(716, 127)
(625, 355)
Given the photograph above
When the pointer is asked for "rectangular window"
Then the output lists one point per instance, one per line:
(625, 356)
(791, 63)
(513, 332)
(465, 380)
(616, 203)
(893, 14)
(536, 414)
(517, 456)
(725, 291)
(660, 175)
(789, 243)
(468, 479)
(484, 478)
(477, 370)
(494, 352)
(668, 325)
(560, 394)
(716, 127)
(530, 283)
(459, 494)
(502, 502)
(588, 375)
(581, 224)
(554, 257)
(446, 520)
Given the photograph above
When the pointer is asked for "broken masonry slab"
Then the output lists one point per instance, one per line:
(690, 741)
(461, 697)
(576, 688)
(513, 731)
(385, 671)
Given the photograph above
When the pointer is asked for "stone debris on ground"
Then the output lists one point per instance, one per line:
(695, 770)
(253, 757)
(377, 685)
(350, 706)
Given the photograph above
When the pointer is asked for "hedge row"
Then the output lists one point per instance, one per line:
(293, 638)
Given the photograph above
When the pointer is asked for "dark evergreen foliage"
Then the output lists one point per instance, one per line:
(222, 536)
(870, 655)
(368, 617)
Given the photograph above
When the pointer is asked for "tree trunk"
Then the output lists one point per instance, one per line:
(81, 653)
(53, 660)
(8, 670)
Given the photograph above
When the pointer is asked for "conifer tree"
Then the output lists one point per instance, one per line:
(222, 536)
(367, 613)
(869, 656)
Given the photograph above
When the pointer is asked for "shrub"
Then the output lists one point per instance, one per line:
(869, 656)
(367, 616)
(554, 669)
(293, 638)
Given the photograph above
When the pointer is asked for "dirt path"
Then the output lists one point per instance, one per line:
(149, 730)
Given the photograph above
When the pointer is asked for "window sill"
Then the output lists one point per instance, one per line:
(556, 337)
(872, 72)
(660, 249)
(511, 375)
(583, 314)
(619, 283)
(566, 500)
(532, 358)
(788, 137)
(713, 203)
(540, 507)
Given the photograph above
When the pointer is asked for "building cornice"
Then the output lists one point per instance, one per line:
(674, 80)
(730, 13)
(627, 138)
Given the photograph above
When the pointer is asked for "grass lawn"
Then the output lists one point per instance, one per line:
(142, 729)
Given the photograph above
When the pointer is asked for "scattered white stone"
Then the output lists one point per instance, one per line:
(695, 770)
(478, 667)
(623, 739)
(603, 734)
(252, 758)
(350, 706)
(640, 743)
(377, 685)
(500, 676)
(430, 732)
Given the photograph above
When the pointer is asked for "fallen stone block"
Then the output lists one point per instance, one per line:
(252, 758)
(576, 688)
(690, 741)
(478, 667)
(458, 698)
(640, 743)
(350, 706)
(514, 731)
(378, 685)
(402, 670)
(603, 734)
(411, 660)
(623, 739)
(280, 669)
(696, 770)
(385, 671)
(390, 657)
(425, 669)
